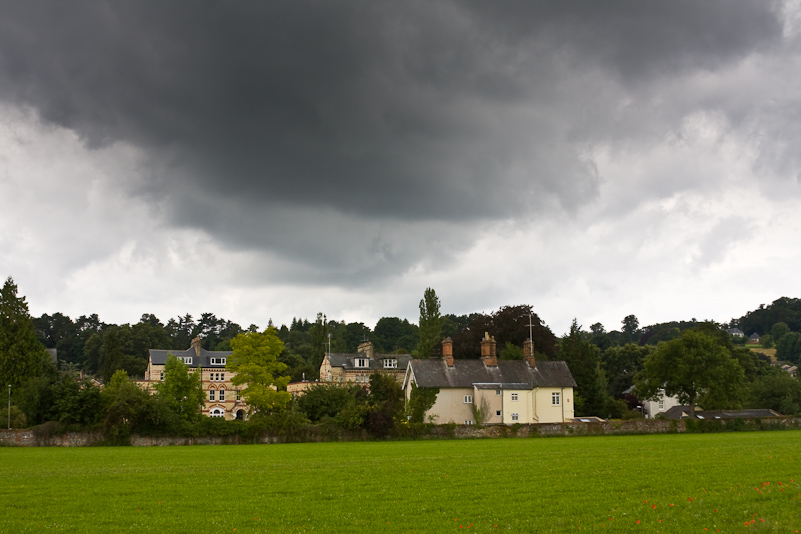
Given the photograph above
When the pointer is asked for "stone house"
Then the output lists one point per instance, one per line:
(357, 367)
(496, 391)
(222, 397)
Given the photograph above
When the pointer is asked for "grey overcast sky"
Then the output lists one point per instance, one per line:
(275, 159)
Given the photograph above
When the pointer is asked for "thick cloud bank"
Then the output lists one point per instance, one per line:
(281, 158)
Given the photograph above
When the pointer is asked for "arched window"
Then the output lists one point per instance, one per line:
(217, 412)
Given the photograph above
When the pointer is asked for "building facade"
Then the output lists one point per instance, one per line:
(222, 397)
(492, 391)
(357, 367)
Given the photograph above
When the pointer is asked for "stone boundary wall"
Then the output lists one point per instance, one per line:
(29, 437)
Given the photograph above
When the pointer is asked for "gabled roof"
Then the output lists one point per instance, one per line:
(348, 360)
(754, 336)
(509, 374)
(159, 357)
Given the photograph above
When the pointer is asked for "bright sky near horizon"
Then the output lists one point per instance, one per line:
(276, 159)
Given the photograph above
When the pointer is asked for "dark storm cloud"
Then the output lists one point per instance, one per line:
(391, 112)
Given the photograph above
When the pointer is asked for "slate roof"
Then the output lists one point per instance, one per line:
(159, 357)
(509, 374)
(347, 361)
(682, 412)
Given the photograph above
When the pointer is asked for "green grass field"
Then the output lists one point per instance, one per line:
(736, 482)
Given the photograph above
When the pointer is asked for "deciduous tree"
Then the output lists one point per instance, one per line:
(696, 364)
(181, 390)
(255, 362)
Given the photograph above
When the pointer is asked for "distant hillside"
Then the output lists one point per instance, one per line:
(761, 320)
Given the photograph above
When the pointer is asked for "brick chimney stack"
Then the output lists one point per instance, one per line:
(447, 351)
(367, 348)
(488, 351)
(528, 353)
(196, 345)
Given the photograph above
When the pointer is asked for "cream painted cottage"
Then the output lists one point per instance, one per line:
(497, 391)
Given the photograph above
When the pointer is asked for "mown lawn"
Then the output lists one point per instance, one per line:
(738, 482)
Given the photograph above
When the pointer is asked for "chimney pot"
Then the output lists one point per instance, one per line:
(447, 351)
(488, 355)
(528, 353)
(367, 348)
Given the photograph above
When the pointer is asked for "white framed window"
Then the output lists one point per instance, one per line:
(661, 405)
(515, 396)
(222, 377)
(498, 392)
(222, 395)
(498, 413)
(515, 417)
(187, 360)
(390, 364)
(361, 362)
(161, 376)
(217, 412)
(468, 422)
(238, 395)
(468, 399)
(218, 361)
(211, 394)
(556, 399)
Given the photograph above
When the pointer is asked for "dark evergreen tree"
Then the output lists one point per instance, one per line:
(584, 361)
(22, 355)
(430, 331)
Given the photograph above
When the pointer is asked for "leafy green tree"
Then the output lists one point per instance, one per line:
(695, 366)
(75, 402)
(631, 326)
(621, 364)
(511, 352)
(255, 362)
(777, 391)
(125, 407)
(22, 356)
(782, 310)
(386, 404)
(779, 330)
(396, 335)
(181, 390)
(584, 361)
(430, 324)
(327, 400)
(510, 324)
(420, 401)
(788, 347)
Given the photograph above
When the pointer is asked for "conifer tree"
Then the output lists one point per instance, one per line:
(430, 324)
(22, 356)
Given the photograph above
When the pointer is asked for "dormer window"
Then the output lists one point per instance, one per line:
(390, 364)
(218, 361)
(186, 359)
(361, 362)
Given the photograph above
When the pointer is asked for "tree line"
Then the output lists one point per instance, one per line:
(605, 364)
